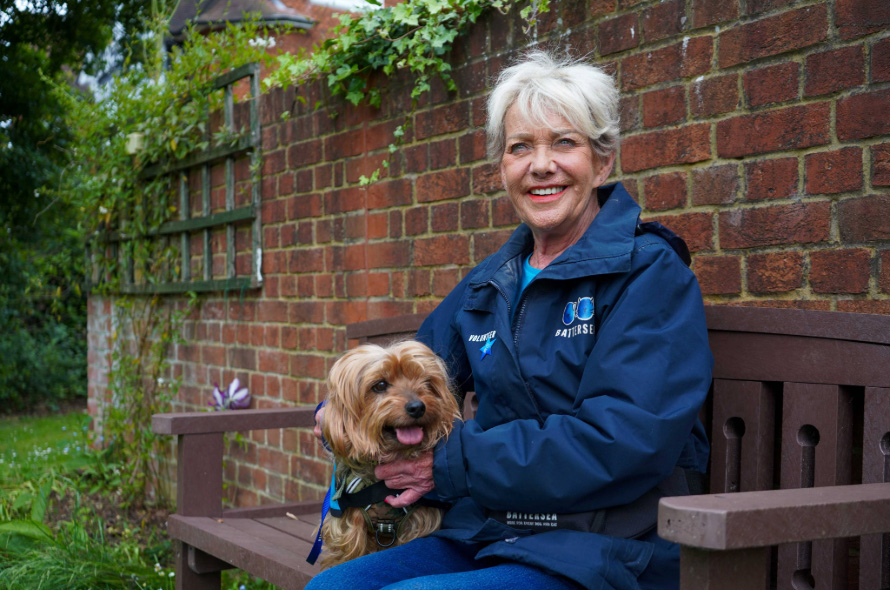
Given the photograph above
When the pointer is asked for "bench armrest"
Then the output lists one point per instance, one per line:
(761, 519)
(234, 420)
(200, 445)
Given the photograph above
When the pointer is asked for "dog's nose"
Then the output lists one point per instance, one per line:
(415, 408)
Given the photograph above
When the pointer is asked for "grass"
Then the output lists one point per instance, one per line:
(61, 522)
(33, 446)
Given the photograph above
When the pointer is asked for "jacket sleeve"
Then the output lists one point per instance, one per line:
(438, 332)
(634, 415)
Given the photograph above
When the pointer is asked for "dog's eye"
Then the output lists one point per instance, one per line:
(380, 386)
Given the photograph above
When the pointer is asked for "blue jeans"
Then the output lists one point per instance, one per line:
(431, 563)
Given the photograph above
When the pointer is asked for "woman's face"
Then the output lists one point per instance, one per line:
(550, 174)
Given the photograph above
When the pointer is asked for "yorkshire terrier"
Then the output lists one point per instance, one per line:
(383, 404)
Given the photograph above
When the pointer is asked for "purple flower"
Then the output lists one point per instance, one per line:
(233, 398)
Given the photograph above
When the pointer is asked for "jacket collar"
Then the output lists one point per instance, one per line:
(605, 247)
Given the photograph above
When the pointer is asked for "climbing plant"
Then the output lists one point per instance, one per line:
(157, 110)
(413, 36)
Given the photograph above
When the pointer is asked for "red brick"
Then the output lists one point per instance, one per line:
(487, 179)
(665, 191)
(445, 249)
(486, 243)
(442, 154)
(714, 96)
(771, 179)
(782, 129)
(715, 185)
(270, 311)
(419, 282)
(758, 6)
(696, 229)
(629, 112)
(719, 275)
(775, 272)
(840, 271)
(416, 158)
(834, 70)
(445, 217)
(708, 12)
(389, 193)
(271, 361)
(472, 147)
(600, 7)
(880, 61)
(798, 223)
(861, 17)
(834, 172)
(880, 164)
(447, 184)
(388, 254)
(618, 34)
(345, 144)
(683, 145)
(345, 200)
(863, 115)
(443, 119)
(771, 84)
(417, 221)
(503, 213)
(304, 153)
(380, 135)
(864, 219)
(663, 20)
(690, 57)
(475, 213)
(788, 31)
(881, 306)
(664, 107)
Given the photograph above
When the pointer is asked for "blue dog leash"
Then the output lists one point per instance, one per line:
(325, 508)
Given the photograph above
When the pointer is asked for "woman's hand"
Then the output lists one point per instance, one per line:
(415, 476)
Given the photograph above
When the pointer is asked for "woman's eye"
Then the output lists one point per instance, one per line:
(517, 147)
(566, 142)
(380, 386)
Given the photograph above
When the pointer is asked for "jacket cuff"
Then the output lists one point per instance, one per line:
(449, 473)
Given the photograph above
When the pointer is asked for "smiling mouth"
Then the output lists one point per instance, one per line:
(543, 195)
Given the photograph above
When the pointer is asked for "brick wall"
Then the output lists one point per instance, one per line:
(758, 130)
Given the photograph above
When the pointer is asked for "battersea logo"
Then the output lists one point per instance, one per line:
(581, 311)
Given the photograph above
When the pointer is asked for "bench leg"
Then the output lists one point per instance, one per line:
(739, 569)
(186, 579)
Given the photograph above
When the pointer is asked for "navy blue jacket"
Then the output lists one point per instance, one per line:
(581, 407)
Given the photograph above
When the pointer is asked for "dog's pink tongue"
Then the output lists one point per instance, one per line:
(410, 435)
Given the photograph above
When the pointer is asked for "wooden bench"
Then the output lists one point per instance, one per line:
(799, 419)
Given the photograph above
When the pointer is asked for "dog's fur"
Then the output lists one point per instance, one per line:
(369, 390)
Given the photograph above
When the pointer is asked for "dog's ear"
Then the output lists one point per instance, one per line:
(346, 401)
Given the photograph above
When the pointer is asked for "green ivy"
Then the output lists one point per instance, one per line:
(413, 36)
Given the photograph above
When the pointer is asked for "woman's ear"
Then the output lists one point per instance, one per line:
(607, 164)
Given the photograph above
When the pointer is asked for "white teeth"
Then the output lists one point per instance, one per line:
(540, 192)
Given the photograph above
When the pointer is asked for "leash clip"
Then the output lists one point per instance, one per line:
(387, 528)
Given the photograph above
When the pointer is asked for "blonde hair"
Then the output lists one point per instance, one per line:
(542, 85)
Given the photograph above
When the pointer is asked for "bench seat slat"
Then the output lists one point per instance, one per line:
(263, 551)
(303, 529)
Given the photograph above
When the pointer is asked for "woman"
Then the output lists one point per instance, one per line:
(585, 342)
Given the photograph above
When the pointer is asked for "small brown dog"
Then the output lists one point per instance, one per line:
(383, 404)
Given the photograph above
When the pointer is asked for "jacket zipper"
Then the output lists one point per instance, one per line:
(514, 329)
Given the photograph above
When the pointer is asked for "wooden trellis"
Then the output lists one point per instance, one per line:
(183, 228)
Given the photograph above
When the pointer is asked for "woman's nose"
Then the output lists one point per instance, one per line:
(542, 161)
